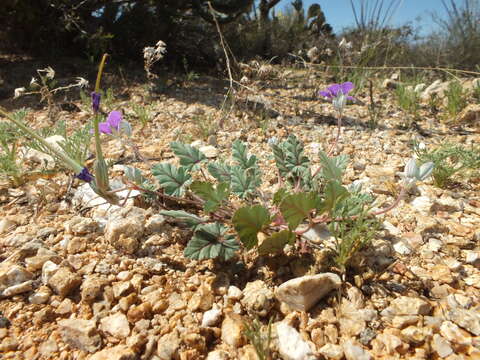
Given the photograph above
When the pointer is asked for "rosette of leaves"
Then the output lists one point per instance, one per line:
(267, 227)
(240, 177)
(309, 197)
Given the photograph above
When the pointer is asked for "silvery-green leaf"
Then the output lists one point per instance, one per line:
(126, 128)
(411, 169)
(425, 171)
(355, 187)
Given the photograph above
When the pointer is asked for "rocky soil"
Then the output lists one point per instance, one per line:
(83, 280)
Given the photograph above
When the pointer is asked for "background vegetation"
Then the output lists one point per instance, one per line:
(253, 28)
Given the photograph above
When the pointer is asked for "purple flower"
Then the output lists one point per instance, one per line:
(113, 123)
(95, 101)
(335, 90)
(84, 175)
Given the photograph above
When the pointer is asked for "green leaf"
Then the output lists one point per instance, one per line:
(280, 159)
(189, 219)
(276, 242)
(134, 175)
(210, 241)
(333, 168)
(213, 196)
(248, 221)
(189, 156)
(172, 179)
(291, 161)
(297, 207)
(240, 155)
(296, 161)
(279, 196)
(220, 171)
(334, 192)
(244, 183)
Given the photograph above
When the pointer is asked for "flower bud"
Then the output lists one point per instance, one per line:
(126, 128)
(339, 102)
(411, 169)
(95, 101)
(425, 171)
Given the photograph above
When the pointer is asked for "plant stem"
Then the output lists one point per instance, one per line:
(339, 130)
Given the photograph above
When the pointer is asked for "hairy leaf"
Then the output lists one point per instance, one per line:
(333, 167)
(244, 183)
(280, 159)
(279, 196)
(213, 196)
(291, 161)
(220, 171)
(334, 192)
(297, 207)
(134, 175)
(172, 179)
(241, 156)
(296, 161)
(248, 221)
(189, 156)
(190, 220)
(276, 242)
(211, 241)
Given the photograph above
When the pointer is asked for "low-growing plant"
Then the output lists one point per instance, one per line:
(142, 113)
(374, 109)
(449, 160)
(408, 99)
(259, 337)
(10, 166)
(476, 92)
(456, 98)
(223, 201)
(229, 199)
(204, 126)
(71, 155)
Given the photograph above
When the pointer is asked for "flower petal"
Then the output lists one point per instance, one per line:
(104, 128)
(326, 94)
(347, 87)
(114, 119)
(334, 89)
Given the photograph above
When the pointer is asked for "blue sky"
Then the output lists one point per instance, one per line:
(339, 13)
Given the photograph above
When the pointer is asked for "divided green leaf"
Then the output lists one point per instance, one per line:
(297, 162)
(190, 220)
(244, 183)
(333, 167)
(279, 196)
(220, 171)
(189, 156)
(276, 242)
(280, 159)
(241, 156)
(248, 221)
(172, 179)
(290, 159)
(334, 193)
(211, 241)
(297, 207)
(213, 196)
